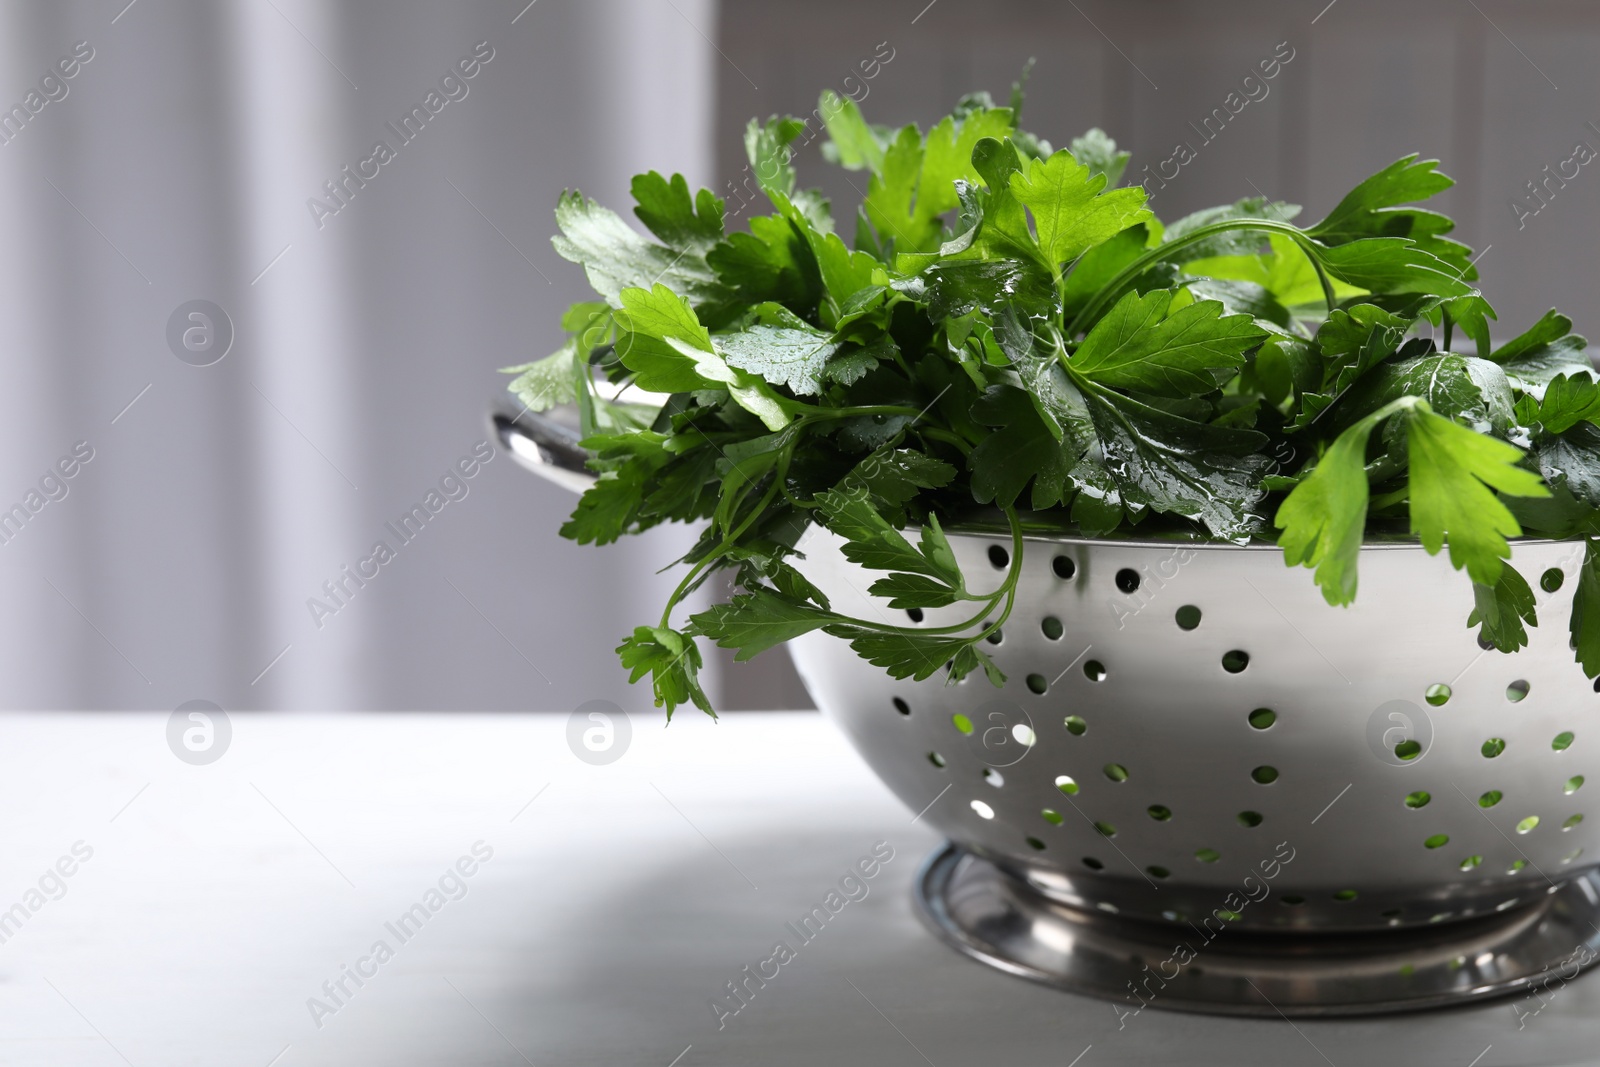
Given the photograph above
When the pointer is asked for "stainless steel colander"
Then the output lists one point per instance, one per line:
(1202, 787)
(1189, 736)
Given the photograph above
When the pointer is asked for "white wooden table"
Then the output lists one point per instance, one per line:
(618, 901)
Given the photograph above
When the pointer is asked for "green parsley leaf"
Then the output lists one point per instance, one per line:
(1141, 344)
(787, 356)
(1502, 609)
(905, 655)
(1585, 620)
(896, 475)
(873, 543)
(671, 352)
(616, 258)
(545, 383)
(608, 508)
(1098, 152)
(1324, 518)
(1453, 471)
(1567, 402)
(1454, 386)
(672, 661)
(758, 620)
(679, 222)
(1021, 448)
(1571, 461)
(853, 143)
(1372, 209)
(1208, 474)
(1071, 211)
(1547, 349)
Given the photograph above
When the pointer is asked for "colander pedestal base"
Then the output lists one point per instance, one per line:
(982, 911)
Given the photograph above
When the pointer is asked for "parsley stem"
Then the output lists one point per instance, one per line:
(1092, 309)
(816, 414)
(954, 440)
(1006, 591)
(727, 542)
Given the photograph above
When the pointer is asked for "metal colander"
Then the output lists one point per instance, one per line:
(1379, 813)
(1176, 715)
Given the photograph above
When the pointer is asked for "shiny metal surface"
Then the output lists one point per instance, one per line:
(1210, 967)
(545, 443)
(1185, 796)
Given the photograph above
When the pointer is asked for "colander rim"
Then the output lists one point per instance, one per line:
(986, 526)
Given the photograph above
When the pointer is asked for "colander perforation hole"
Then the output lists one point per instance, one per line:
(1035, 844)
(1037, 684)
(1128, 580)
(901, 706)
(936, 759)
(1067, 785)
(1093, 864)
(1436, 841)
(1188, 617)
(1075, 725)
(1116, 772)
(1051, 627)
(1095, 671)
(1106, 829)
(1251, 819)
(1491, 798)
(1562, 741)
(1472, 863)
(1517, 690)
(1419, 799)
(1572, 820)
(1235, 661)
(994, 777)
(962, 723)
(1051, 816)
(914, 614)
(1493, 747)
(1528, 825)
(1291, 900)
(1159, 812)
(1574, 854)
(1158, 872)
(984, 810)
(1574, 784)
(1437, 694)
(1207, 855)
(1517, 866)
(1551, 580)
(1345, 896)
(1263, 718)
(1064, 567)
(1265, 775)
(999, 558)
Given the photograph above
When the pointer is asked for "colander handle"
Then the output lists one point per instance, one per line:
(544, 444)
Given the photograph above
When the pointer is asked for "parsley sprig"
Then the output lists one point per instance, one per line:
(1012, 338)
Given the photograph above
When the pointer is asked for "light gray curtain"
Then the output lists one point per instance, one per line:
(178, 166)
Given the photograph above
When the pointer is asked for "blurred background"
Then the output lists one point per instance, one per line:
(347, 345)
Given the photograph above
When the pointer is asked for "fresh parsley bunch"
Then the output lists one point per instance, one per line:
(1011, 330)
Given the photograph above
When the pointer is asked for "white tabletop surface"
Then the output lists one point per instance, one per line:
(218, 899)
